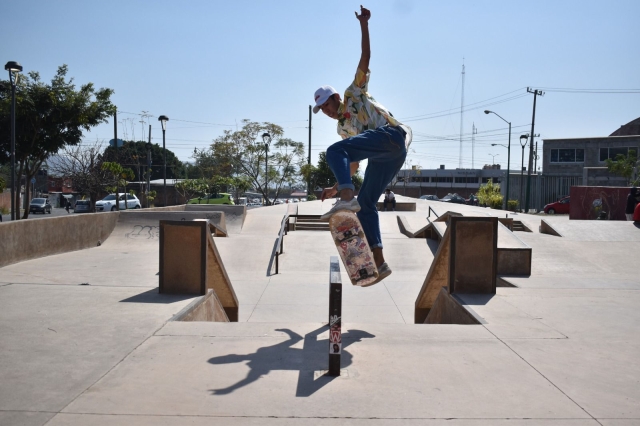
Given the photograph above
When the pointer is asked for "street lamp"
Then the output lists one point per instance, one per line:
(14, 68)
(525, 137)
(163, 120)
(506, 199)
(266, 138)
(493, 159)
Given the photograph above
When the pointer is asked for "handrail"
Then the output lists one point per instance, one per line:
(434, 212)
(278, 246)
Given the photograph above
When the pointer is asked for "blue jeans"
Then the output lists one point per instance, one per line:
(385, 149)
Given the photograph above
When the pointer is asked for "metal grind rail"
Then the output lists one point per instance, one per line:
(278, 246)
(434, 213)
(335, 316)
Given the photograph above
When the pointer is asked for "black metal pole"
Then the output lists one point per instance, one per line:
(115, 145)
(266, 171)
(309, 158)
(164, 174)
(506, 203)
(13, 148)
(522, 176)
(335, 317)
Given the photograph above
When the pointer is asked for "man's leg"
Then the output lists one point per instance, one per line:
(379, 173)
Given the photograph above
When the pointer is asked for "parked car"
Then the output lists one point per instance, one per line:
(82, 206)
(108, 203)
(559, 207)
(430, 197)
(453, 198)
(40, 205)
(219, 198)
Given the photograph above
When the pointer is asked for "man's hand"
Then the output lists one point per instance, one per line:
(364, 16)
(328, 193)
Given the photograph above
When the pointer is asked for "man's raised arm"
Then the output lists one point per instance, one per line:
(364, 16)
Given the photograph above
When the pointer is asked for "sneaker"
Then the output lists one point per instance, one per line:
(341, 205)
(383, 272)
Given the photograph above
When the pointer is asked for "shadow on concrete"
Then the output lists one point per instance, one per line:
(433, 245)
(475, 299)
(312, 358)
(152, 296)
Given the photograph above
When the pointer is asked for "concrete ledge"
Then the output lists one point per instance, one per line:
(234, 215)
(29, 239)
(400, 206)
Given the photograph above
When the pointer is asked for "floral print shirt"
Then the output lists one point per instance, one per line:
(360, 111)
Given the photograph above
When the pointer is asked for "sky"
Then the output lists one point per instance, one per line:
(208, 65)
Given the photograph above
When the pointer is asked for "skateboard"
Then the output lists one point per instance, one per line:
(353, 248)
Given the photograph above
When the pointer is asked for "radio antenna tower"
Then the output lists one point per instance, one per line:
(461, 117)
(474, 131)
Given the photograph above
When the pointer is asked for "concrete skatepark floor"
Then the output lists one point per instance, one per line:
(558, 348)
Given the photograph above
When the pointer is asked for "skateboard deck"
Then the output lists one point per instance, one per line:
(353, 248)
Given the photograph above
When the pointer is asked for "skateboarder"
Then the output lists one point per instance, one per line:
(369, 131)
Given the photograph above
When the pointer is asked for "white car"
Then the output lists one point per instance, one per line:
(108, 203)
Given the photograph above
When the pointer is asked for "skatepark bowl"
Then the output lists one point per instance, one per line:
(204, 313)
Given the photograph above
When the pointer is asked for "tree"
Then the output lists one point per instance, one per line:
(83, 165)
(189, 188)
(134, 155)
(48, 118)
(625, 166)
(242, 153)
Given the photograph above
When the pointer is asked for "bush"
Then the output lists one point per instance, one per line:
(489, 195)
(512, 205)
(311, 197)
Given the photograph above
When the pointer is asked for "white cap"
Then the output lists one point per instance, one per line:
(321, 96)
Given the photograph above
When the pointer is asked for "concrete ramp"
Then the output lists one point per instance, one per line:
(139, 228)
(592, 230)
(234, 215)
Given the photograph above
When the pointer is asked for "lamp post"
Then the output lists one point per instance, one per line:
(163, 120)
(266, 138)
(506, 199)
(525, 137)
(14, 68)
(493, 159)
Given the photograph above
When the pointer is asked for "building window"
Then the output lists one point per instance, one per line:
(442, 179)
(606, 153)
(567, 155)
(493, 179)
(466, 180)
(419, 179)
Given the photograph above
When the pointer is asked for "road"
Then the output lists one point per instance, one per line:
(54, 213)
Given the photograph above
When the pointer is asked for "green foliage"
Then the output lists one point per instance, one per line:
(117, 176)
(311, 197)
(151, 195)
(49, 116)
(489, 195)
(3, 184)
(134, 155)
(625, 166)
(191, 188)
(512, 205)
(244, 153)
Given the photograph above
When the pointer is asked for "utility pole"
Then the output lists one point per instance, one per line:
(535, 92)
(535, 166)
(309, 159)
(115, 145)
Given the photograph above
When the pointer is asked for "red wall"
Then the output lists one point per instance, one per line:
(612, 200)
